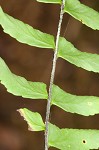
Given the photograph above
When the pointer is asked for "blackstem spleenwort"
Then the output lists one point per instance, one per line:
(64, 139)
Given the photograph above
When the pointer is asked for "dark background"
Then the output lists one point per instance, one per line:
(35, 65)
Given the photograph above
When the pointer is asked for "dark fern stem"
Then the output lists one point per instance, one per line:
(53, 75)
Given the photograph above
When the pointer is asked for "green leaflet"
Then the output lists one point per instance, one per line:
(19, 86)
(33, 119)
(63, 139)
(25, 33)
(84, 60)
(50, 1)
(73, 139)
(83, 105)
(83, 13)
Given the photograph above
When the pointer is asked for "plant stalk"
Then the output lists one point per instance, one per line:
(53, 75)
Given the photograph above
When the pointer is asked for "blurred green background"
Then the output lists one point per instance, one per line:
(35, 65)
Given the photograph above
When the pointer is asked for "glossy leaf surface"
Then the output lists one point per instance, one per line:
(33, 119)
(84, 60)
(19, 86)
(25, 33)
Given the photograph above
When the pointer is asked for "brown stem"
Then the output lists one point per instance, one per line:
(53, 75)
